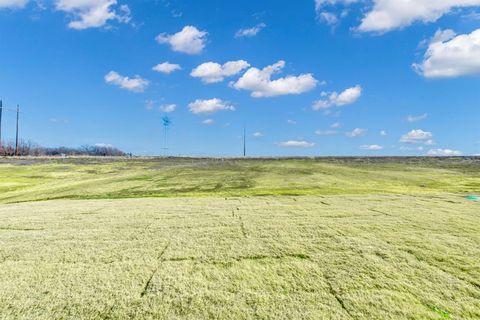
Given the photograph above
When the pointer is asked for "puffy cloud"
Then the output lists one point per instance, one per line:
(93, 13)
(336, 125)
(209, 106)
(444, 153)
(412, 119)
(296, 144)
(250, 32)
(349, 96)
(13, 3)
(383, 133)
(330, 17)
(292, 122)
(355, 133)
(208, 122)
(136, 84)
(212, 72)
(449, 55)
(417, 136)
(190, 40)
(168, 107)
(260, 82)
(258, 135)
(387, 15)
(166, 67)
(371, 147)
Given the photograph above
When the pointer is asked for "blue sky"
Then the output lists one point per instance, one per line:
(325, 77)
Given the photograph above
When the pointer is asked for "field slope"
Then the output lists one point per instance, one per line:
(231, 239)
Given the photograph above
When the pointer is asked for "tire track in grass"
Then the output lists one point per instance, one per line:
(160, 257)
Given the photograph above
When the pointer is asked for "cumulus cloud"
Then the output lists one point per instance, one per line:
(93, 13)
(250, 32)
(371, 147)
(12, 4)
(135, 84)
(324, 10)
(296, 144)
(355, 133)
(260, 82)
(336, 125)
(168, 107)
(444, 153)
(208, 122)
(387, 15)
(417, 136)
(450, 55)
(166, 67)
(383, 133)
(412, 119)
(349, 96)
(212, 72)
(190, 40)
(209, 106)
(258, 135)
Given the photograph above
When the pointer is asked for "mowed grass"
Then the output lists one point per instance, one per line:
(296, 239)
(77, 178)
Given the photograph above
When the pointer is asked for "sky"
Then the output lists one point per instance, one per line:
(304, 78)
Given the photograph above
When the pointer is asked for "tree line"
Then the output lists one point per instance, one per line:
(28, 148)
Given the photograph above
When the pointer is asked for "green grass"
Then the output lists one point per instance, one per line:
(32, 180)
(199, 239)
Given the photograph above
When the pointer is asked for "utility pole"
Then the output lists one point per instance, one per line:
(244, 141)
(1, 110)
(16, 135)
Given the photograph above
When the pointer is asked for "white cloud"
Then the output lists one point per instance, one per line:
(387, 15)
(290, 121)
(250, 32)
(168, 107)
(450, 56)
(336, 125)
(444, 153)
(93, 13)
(209, 106)
(167, 67)
(328, 16)
(190, 40)
(260, 83)
(296, 144)
(136, 84)
(383, 133)
(355, 133)
(371, 147)
(417, 136)
(212, 72)
(208, 122)
(326, 132)
(13, 3)
(349, 96)
(258, 135)
(412, 119)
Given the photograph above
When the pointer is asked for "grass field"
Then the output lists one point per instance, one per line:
(233, 239)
